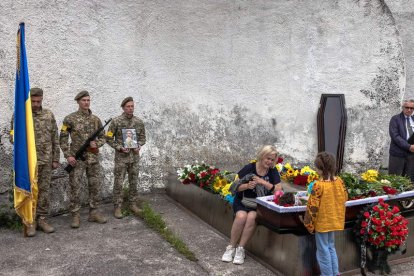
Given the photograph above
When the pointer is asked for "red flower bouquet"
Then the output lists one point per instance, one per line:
(199, 174)
(301, 180)
(383, 228)
(277, 196)
(389, 190)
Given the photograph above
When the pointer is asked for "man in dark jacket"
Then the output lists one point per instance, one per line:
(401, 160)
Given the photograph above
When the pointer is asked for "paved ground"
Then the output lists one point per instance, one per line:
(127, 247)
(120, 247)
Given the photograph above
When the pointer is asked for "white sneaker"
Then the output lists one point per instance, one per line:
(239, 256)
(229, 254)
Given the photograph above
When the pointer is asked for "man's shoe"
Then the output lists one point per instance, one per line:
(239, 256)
(135, 209)
(44, 226)
(95, 216)
(229, 254)
(31, 230)
(75, 220)
(118, 212)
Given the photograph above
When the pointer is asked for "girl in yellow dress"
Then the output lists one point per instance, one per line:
(325, 212)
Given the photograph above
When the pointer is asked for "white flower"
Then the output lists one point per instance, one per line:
(385, 181)
(180, 173)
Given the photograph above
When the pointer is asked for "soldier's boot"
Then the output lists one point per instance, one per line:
(44, 226)
(135, 209)
(31, 230)
(95, 216)
(118, 212)
(75, 220)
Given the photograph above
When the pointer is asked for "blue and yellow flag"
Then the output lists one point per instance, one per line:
(25, 160)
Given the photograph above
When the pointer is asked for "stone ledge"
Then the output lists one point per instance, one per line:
(286, 254)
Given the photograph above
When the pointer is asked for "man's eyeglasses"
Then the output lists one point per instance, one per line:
(410, 108)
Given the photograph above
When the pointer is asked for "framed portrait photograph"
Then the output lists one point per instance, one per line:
(129, 138)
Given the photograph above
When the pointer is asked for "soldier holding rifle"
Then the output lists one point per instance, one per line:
(80, 125)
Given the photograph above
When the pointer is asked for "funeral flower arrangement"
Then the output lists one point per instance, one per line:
(382, 228)
(305, 176)
(209, 178)
(299, 176)
(372, 183)
(201, 174)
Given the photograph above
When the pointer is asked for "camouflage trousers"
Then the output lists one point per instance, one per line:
(120, 170)
(44, 173)
(76, 179)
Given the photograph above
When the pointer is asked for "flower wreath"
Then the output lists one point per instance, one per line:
(381, 227)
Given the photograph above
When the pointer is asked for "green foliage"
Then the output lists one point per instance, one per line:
(153, 219)
(125, 192)
(352, 184)
(375, 186)
(125, 205)
(156, 222)
(9, 219)
(229, 176)
(359, 188)
(126, 211)
(401, 183)
(350, 180)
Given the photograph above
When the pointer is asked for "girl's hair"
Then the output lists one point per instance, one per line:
(325, 162)
(265, 150)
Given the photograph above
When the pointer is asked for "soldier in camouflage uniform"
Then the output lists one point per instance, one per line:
(80, 125)
(47, 151)
(126, 157)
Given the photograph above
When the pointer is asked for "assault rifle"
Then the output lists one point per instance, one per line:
(80, 154)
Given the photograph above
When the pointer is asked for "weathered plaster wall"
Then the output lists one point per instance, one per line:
(403, 12)
(213, 80)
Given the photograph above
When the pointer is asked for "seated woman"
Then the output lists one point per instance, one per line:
(256, 179)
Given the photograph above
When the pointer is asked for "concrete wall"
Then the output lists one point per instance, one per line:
(403, 12)
(213, 80)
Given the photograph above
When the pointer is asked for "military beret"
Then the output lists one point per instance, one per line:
(36, 92)
(126, 100)
(81, 95)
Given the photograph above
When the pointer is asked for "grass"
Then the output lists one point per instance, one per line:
(9, 219)
(126, 212)
(155, 222)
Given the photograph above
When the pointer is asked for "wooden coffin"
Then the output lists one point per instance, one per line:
(331, 125)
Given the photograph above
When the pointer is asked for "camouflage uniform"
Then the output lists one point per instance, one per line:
(47, 151)
(80, 126)
(125, 162)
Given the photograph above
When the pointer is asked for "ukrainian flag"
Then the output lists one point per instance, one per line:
(25, 159)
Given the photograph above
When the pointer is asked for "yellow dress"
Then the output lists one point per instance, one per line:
(325, 210)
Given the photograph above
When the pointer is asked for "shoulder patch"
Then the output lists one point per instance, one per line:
(109, 134)
(64, 127)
